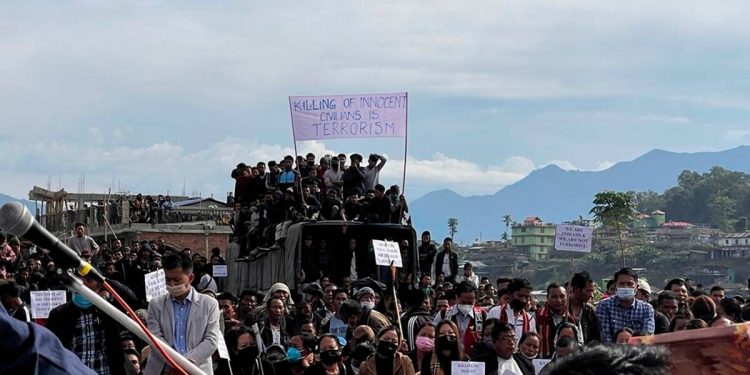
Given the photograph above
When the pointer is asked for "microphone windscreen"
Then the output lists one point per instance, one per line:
(15, 218)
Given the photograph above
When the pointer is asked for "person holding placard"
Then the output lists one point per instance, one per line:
(387, 360)
(90, 333)
(448, 349)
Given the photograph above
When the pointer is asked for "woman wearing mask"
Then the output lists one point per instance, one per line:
(448, 348)
(243, 351)
(425, 343)
(329, 350)
(387, 359)
(528, 350)
(487, 345)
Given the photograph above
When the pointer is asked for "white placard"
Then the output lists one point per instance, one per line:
(539, 365)
(387, 252)
(348, 116)
(223, 352)
(43, 301)
(220, 270)
(573, 238)
(155, 284)
(467, 368)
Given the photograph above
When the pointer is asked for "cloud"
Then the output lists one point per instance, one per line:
(564, 164)
(737, 135)
(664, 119)
(602, 165)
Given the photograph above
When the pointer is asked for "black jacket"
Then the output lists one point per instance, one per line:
(62, 322)
(427, 252)
(589, 324)
(453, 262)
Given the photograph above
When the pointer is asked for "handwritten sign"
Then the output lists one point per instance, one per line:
(385, 252)
(539, 365)
(223, 352)
(348, 116)
(220, 270)
(43, 301)
(573, 238)
(155, 284)
(467, 368)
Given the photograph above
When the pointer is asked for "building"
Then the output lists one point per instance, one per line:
(649, 221)
(535, 237)
(732, 245)
(198, 223)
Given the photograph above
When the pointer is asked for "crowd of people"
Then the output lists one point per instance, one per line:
(354, 326)
(269, 197)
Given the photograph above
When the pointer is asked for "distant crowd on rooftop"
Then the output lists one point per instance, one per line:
(271, 196)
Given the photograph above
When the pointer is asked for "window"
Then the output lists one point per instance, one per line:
(542, 240)
(542, 230)
(523, 230)
(523, 239)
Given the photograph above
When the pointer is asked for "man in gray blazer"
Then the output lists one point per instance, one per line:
(185, 319)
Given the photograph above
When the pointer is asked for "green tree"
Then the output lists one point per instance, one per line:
(508, 220)
(615, 209)
(452, 226)
(720, 211)
(741, 224)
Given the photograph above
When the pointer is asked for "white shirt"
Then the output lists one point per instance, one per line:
(330, 176)
(515, 321)
(276, 332)
(447, 266)
(508, 366)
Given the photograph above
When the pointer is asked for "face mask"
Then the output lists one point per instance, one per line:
(248, 354)
(465, 309)
(488, 341)
(368, 305)
(517, 305)
(177, 290)
(329, 357)
(527, 357)
(447, 343)
(626, 293)
(425, 344)
(386, 349)
(81, 301)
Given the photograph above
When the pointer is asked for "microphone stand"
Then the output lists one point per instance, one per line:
(75, 284)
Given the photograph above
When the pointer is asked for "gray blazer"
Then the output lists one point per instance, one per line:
(203, 333)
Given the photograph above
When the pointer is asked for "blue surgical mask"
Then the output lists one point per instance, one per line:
(626, 293)
(81, 301)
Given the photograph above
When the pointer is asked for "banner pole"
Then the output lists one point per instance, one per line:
(294, 138)
(406, 145)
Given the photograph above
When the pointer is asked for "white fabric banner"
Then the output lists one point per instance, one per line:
(348, 116)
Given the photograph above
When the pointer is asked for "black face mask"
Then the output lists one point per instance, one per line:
(386, 349)
(248, 354)
(445, 343)
(329, 357)
(517, 305)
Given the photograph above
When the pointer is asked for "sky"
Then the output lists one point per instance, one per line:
(154, 96)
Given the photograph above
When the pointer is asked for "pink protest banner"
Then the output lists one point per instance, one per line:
(348, 116)
(717, 350)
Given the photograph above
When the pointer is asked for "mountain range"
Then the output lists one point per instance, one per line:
(7, 198)
(556, 195)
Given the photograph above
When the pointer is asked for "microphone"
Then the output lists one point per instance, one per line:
(16, 219)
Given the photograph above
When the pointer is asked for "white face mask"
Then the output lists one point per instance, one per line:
(177, 290)
(368, 305)
(465, 309)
